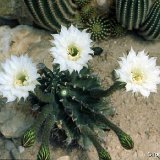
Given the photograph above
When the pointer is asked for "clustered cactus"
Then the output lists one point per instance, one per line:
(75, 102)
(51, 14)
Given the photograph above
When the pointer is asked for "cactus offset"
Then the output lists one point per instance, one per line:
(51, 14)
(150, 29)
(131, 13)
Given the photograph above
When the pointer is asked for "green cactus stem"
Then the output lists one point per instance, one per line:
(131, 13)
(105, 93)
(116, 29)
(43, 153)
(125, 140)
(150, 29)
(102, 153)
(87, 12)
(51, 14)
(29, 138)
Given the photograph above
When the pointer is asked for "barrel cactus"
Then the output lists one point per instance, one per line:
(51, 14)
(99, 27)
(131, 13)
(150, 29)
(74, 103)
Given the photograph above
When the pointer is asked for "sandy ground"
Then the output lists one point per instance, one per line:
(136, 115)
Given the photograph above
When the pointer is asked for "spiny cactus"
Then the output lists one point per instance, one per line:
(75, 102)
(131, 13)
(150, 29)
(87, 12)
(51, 14)
(82, 3)
(99, 27)
(116, 29)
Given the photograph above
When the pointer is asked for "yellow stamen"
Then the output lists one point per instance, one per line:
(137, 76)
(73, 52)
(21, 79)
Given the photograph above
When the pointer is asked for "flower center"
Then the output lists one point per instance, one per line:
(21, 79)
(137, 76)
(73, 52)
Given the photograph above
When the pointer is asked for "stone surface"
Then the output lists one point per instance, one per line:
(64, 158)
(15, 9)
(15, 119)
(9, 145)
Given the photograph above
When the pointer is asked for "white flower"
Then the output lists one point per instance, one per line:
(71, 48)
(139, 72)
(18, 76)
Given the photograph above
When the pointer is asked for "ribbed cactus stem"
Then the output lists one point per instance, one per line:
(102, 153)
(42, 116)
(150, 29)
(50, 120)
(45, 97)
(124, 138)
(51, 14)
(99, 93)
(30, 135)
(131, 13)
(44, 153)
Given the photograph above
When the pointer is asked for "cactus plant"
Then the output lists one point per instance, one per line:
(51, 14)
(87, 12)
(75, 102)
(99, 27)
(150, 29)
(116, 29)
(81, 3)
(131, 13)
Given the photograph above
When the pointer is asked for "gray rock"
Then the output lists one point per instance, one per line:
(15, 154)
(15, 9)
(9, 145)
(64, 158)
(15, 119)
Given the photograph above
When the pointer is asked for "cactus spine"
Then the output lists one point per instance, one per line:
(150, 29)
(131, 13)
